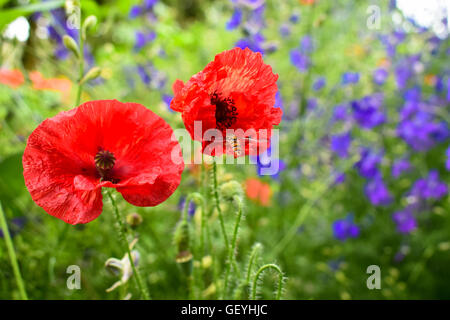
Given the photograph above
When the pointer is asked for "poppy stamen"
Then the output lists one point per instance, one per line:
(104, 162)
(226, 112)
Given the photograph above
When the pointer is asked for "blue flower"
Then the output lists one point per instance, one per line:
(135, 11)
(400, 166)
(377, 192)
(340, 113)
(368, 164)
(285, 30)
(141, 39)
(299, 60)
(345, 228)
(405, 220)
(306, 44)
(191, 209)
(380, 75)
(235, 19)
(447, 163)
(294, 18)
(368, 111)
(340, 144)
(319, 83)
(350, 78)
(430, 187)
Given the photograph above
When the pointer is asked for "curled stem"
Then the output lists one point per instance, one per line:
(280, 279)
(12, 255)
(231, 253)
(122, 234)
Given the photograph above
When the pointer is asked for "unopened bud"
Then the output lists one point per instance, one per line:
(182, 240)
(134, 219)
(91, 74)
(71, 44)
(88, 23)
(230, 190)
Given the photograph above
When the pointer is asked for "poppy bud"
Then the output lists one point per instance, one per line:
(134, 219)
(91, 74)
(89, 23)
(231, 189)
(71, 44)
(182, 239)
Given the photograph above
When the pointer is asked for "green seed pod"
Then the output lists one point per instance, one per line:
(230, 190)
(88, 23)
(91, 74)
(71, 44)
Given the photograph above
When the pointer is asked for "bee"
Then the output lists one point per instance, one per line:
(233, 141)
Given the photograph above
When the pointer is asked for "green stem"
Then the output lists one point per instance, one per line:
(80, 71)
(123, 238)
(280, 279)
(231, 253)
(12, 255)
(217, 203)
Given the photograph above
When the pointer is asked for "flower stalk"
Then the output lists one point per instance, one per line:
(12, 255)
(122, 234)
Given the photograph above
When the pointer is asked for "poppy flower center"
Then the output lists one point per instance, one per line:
(104, 162)
(225, 111)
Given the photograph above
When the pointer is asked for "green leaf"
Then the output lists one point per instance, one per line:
(9, 15)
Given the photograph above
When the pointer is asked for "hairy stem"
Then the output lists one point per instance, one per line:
(12, 255)
(280, 279)
(80, 71)
(122, 234)
(231, 253)
(217, 204)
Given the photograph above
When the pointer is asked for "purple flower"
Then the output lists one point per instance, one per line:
(339, 178)
(148, 4)
(266, 162)
(418, 129)
(143, 74)
(285, 30)
(405, 220)
(345, 228)
(368, 111)
(368, 164)
(430, 187)
(400, 166)
(167, 98)
(299, 60)
(350, 78)
(447, 164)
(254, 43)
(182, 204)
(319, 83)
(340, 144)
(294, 18)
(135, 11)
(377, 192)
(380, 75)
(141, 39)
(306, 44)
(340, 113)
(235, 19)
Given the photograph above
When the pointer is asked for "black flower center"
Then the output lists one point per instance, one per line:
(104, 162)
(225, 111)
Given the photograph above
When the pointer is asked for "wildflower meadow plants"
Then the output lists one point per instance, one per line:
(233, 149)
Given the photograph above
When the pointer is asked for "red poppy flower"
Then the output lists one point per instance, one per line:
(62, 85)
(11, 78)
(258, 191)
(235, 91)
(105, 143)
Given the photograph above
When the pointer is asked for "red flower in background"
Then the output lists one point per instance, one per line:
(235, 91)
(258, 191)
(11, 78)
(106, 143)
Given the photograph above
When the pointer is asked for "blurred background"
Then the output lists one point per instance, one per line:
(364, 145)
